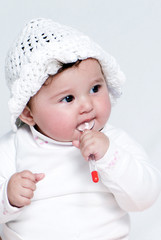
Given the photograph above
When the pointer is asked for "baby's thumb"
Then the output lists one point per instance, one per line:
(39, 176)
(76, 143)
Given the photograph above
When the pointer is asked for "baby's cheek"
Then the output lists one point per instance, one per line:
(61, 130)
(105, 109)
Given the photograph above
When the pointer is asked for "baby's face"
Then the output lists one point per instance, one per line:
(78, 94)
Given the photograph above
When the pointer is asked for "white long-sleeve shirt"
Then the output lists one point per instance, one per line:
(67, 204)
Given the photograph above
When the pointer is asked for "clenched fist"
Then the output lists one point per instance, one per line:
(21, 187)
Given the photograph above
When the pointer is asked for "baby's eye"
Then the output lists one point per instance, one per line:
(95, 89)
(68, 98)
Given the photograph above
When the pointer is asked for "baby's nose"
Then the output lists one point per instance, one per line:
(86, 105)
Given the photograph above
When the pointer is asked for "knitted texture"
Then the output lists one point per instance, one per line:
(38, 52)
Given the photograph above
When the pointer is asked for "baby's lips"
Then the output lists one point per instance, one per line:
(86, 126)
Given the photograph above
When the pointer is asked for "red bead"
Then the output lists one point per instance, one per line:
(95, 177)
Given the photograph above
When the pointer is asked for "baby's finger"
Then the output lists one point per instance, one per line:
(85, 134)
(39, 176)
(88, 150)
(27, 193)
(76, 143)
(86, 140)
(27, 183)
(22, 201)
(27, 174)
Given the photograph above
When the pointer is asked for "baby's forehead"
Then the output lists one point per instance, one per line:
(64, 66)
(88, 68)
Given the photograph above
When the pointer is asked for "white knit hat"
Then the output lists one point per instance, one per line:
(37, 53)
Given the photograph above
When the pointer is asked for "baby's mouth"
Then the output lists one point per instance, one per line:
(87, 125)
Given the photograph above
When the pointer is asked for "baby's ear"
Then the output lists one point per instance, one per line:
(26, 116)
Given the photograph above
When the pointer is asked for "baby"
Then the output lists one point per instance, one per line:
(62, 88)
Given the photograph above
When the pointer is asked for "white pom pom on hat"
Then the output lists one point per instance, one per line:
(37, 53)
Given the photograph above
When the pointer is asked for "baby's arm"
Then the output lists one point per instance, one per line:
(7, 169)
(123, 167)
(10, 189)
(21, 187)
(126, 171)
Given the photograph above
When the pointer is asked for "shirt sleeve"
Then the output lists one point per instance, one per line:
(7, 169)
(126, 171)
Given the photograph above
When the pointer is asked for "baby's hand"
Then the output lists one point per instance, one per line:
(92, 143)
(21, 187)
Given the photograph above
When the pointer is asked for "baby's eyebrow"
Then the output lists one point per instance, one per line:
(98, 80)
(61, 92)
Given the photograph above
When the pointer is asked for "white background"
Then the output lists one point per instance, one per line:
(131, 31)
